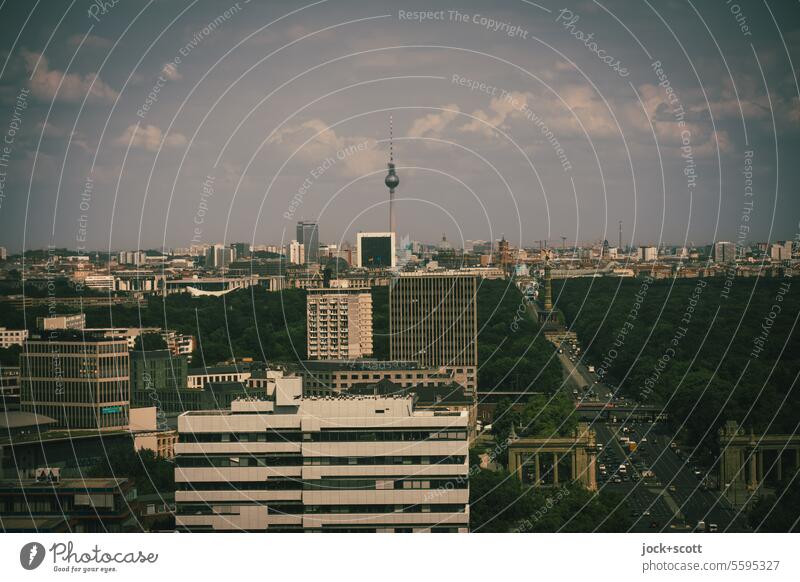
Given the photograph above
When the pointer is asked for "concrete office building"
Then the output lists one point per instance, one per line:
(375, 250)
(433, 320)
(288, 464)
(332, 377)
(12, 337)
(339, 324)
(80, 380)
(308, 236)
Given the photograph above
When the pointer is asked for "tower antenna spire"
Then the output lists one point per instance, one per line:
(391, 180)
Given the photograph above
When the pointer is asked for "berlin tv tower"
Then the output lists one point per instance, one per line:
(391, 180)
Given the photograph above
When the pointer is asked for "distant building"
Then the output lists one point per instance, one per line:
(156, 377)
(297, 253)
(198, 378)
(433, 320)
(99, 282)
(74, 321)
(80, 380)
(781, 251)
(375, 250)
(339, 324)
(136, 258)
(3, 254)
(647, 254)
(50, 504)
(333, 377)
(241, 250)
(724, 252)
(292, 464)
(12, 337)
(219, 256)
(308, 236)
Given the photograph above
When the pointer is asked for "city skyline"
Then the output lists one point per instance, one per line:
(190, 142)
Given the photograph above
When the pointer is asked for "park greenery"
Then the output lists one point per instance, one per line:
(692, 347)
(499, 503)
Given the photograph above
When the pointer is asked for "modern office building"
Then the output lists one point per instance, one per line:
(156, 377)
(12, 337)
(375, 250)
(308, 236)
(724, 252)
(339, 324)
(199, 377)
(334, 377)
(74, 321)
(82, 381)
(292, 464)
(433, 320)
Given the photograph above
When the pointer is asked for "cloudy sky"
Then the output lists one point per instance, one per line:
(156, 123)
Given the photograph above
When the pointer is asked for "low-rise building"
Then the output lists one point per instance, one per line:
(12, 337)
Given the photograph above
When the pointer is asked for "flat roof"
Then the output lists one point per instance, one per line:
(18, 419)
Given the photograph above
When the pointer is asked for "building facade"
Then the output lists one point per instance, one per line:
(365, 464)
(308, 236)
(433, 320)
(12, 337)
(81, 381)
(375, 250)
(156, 377)
(339, 324)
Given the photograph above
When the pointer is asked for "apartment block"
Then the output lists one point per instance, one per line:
(346, 464)
(339, 324)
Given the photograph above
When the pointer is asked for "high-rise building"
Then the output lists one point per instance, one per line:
(647, 254)
(308, 236)
(347, 464)
(433, 320)
(79, 379)
(724, 252)
(219, 256)
(297, 253)
(339, 324)
(375, 250)
(781, 251)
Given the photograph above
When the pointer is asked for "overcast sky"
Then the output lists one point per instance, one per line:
(166, 123)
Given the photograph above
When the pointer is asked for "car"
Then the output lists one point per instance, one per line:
(672, 489)
(713, 527)
(701, 526)
(642, 440)
(617, 480)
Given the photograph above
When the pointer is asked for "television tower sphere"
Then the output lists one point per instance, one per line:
(391, 180)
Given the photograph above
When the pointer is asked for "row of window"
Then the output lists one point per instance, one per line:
(234, 508)
(325, 436)
(323, 485)
(298, 460)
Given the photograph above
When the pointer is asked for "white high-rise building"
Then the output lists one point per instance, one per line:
(347, 464)
(781, 251)
(297, 253)
(648, 254)
(339, 324)
(219, 256)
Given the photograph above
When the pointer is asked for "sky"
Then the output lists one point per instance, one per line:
(165, 124)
